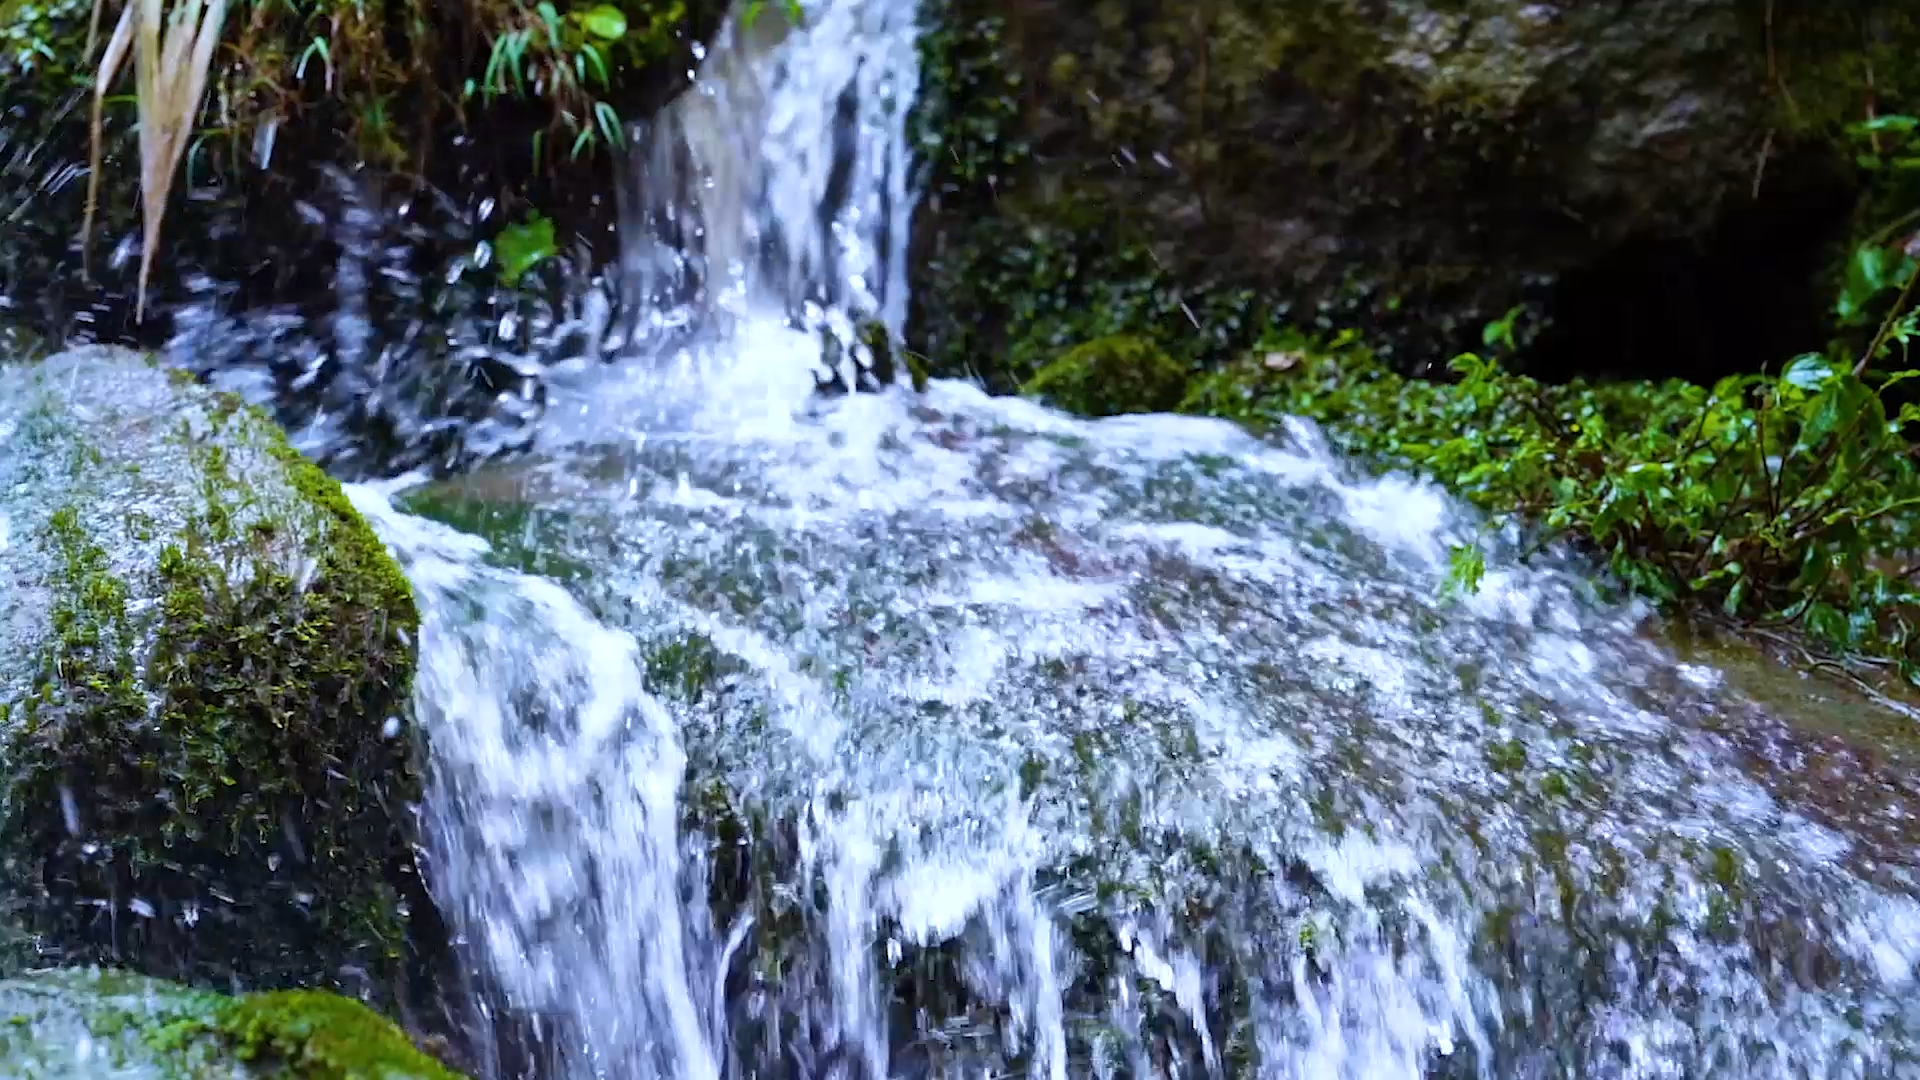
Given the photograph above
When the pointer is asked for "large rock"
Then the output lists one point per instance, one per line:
(205, 666)
(92, 1024)
(1178, 169)
(979, 715)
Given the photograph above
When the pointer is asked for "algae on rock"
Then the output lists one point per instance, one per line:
(73, 1024)
(205, 659)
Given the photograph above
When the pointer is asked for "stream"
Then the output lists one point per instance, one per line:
(780, 734)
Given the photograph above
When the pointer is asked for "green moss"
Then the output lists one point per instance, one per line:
(160, 1029)
(368, 577)
(1509, 757)
(1111, 375)
(211, 710)
(685, 668)
(312, 1035)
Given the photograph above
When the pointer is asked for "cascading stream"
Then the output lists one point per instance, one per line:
(904, 735)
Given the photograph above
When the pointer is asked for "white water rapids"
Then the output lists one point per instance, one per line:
(898, 734)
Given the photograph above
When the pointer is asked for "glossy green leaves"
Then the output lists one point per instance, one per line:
(1789, 499)
(522, 246)
(604, 21)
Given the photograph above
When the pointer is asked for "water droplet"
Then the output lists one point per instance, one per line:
(69, 810)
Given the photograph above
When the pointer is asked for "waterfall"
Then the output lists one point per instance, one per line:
(553, 811)
(936, 735)
(778, 183)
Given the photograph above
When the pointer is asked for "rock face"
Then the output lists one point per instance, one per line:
(1187, 169)
(205, 664)
(106, 1024)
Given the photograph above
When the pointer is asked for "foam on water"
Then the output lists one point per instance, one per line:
(938, 734)
(1097, 715)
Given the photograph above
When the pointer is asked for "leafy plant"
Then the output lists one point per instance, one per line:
(522, 246)
(1778, 499)
(569, 59)
(1466, 568)
(1784, 498)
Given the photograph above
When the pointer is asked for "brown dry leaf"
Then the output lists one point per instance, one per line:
(173, 52)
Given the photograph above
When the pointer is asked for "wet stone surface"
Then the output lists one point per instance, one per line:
(1140, 740)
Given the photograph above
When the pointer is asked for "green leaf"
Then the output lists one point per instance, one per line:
(1736, 598)
(549, 15)
(522, 246)
(317, 47)
(1466, 567)
(591, 55)
(1825, 621)
(1500, 331)
(1895, 122)
(1866, 277)
(1808, 371)
(1470, 366)
(1831, 410)
(609, 121)
(605, 22)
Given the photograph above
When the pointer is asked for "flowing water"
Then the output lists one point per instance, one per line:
(899, 734)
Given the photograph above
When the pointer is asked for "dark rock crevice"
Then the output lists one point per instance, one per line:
(1752, 289)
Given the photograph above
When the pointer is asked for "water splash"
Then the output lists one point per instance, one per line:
(1022, 742)
(936, 734)
(554, 807)
(777, 187)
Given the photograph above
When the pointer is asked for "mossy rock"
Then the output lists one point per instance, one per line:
(1186, 172)
(92, 1023)
(205, 666)
(1110, 376)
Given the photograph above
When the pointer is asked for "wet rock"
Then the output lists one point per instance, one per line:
(109, 1024)
(1034, 740)
(205, 668)
(1183, 170)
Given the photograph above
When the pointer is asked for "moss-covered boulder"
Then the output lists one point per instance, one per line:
(205, 668)
(1110, 376)
(66, 1025)
(1187, 170)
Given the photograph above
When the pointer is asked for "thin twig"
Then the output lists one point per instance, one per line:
(1760, 451)
(1880, 236)
(93, 27)
(1833, 666)
(1775, 80)
(1886, 324)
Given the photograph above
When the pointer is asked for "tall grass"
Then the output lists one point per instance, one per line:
(172, 47)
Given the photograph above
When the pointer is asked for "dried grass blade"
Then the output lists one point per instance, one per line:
(110, 64)
(172, 61)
